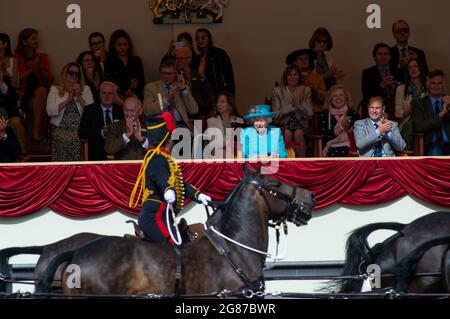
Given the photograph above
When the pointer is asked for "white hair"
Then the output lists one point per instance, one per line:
(269, 119)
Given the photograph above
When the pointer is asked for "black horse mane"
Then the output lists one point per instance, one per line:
(225, 216)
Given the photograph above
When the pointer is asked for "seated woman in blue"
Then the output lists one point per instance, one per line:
(261, 141)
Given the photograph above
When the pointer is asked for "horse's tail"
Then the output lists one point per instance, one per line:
(45, 284)
(359, 254)
(7, 253)
(405, 269)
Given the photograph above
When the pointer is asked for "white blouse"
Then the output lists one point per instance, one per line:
(53, 101)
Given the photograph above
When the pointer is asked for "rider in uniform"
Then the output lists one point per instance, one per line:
(163, 182)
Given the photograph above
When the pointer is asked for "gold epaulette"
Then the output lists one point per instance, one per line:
(175, 181)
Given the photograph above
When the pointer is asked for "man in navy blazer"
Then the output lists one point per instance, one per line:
(375, 136)
(402, 52)
(382, 78)
(96, 118)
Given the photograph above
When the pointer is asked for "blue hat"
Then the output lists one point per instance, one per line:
(260, 111)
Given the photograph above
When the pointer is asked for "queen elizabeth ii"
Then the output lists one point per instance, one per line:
(261, 141)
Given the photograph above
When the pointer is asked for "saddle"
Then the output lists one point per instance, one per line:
(189, 233)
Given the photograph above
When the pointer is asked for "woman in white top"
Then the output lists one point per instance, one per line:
(223, 128)
(292, 102)
(413, 90)
(65, 105)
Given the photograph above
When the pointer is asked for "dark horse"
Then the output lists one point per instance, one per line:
(114, 265)
(46, 252)
(418, 247)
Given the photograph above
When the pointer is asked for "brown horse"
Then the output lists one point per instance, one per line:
(402, 248)
(113, 265)
(46, 252)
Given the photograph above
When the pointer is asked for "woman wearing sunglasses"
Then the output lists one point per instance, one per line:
(65, 105)
(322, 42)
(215, 64)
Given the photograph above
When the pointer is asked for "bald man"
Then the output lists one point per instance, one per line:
(126, 139)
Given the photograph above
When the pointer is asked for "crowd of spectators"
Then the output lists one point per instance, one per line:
(101, 96)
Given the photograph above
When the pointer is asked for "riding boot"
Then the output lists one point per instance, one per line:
(184, 231)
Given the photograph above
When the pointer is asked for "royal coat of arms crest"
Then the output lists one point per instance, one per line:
(187, 11)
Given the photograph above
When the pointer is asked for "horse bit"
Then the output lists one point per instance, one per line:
(295, 211)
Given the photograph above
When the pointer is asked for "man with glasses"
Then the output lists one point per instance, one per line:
(402, 52)
(199, 85)
(171, 94)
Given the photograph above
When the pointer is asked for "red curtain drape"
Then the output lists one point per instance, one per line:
(94, 189)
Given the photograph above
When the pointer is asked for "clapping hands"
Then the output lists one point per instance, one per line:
(384, 126)
(337, 72)
(3, 124)
(133, 128)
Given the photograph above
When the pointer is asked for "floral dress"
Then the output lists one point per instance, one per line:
(65, 141)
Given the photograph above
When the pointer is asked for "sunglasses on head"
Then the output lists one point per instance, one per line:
(400, 30)
(73, 73)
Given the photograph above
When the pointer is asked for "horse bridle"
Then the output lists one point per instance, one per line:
(295, 211)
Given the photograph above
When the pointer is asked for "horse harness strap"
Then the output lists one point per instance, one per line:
(289, 199)
(222, 248)
(179, 282)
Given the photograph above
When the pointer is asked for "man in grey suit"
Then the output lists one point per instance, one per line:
(376, 136)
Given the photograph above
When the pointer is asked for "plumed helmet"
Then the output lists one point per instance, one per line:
(158, 125)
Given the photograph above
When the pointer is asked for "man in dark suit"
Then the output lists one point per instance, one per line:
(9, 145)
(402, 52)
(431, 116)
(126, 139)
(95, 121)
(381, 79)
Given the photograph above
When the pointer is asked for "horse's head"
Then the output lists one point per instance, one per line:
(285, 201)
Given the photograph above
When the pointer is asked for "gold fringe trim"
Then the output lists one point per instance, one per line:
(140, 182)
